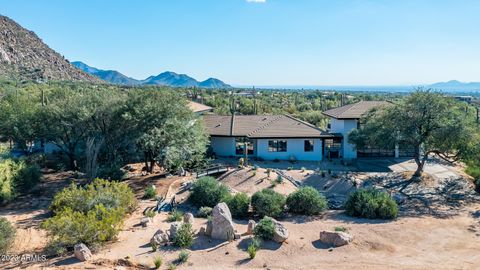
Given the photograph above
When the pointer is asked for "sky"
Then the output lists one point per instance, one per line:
(265, 42)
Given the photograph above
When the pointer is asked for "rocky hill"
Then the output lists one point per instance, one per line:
(23, 55)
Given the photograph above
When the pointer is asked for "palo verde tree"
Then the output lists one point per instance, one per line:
(425, 120)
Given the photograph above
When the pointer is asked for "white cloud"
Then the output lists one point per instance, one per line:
(256, 1)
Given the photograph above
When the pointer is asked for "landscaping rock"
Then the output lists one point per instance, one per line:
(335, 239)
(208, 230)
(251, 227)
(159, 238)
(188, 218)
(174, 228)
(280, 234)
(146, 221)
(222, 224)
(82, 252)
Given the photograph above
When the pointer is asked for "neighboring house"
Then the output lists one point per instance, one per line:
(346, 118)
(199, 108)
(267, 137)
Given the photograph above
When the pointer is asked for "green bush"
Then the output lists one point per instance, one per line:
(371, 203)
(306, 201)
(204, 211)
(7, 235)
(157, 261)
(92, 215)
(175, 215)
(184, 236)
(112, 172)
(150, 193)
(474, 171)
(183, 256)
(239, 204)
(265, 228)
(207, 191)
(268, 202)
(109, 193)
(253, 247)
(15, 177)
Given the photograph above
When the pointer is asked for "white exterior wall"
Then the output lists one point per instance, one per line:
(223, 146)
(295, 147)
(345, 127)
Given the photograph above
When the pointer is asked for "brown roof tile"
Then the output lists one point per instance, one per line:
(261, 126)
(355, 110)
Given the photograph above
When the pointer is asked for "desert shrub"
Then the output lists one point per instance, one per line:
(183, 256)
(98, 225)
(15, 177)
(204, 211)
(371, 203)
(184, 236)
(150, 213)
(7, 235)
(92, 214)
(340, 229)
(307, 201)
(268, 202)
(474, 171)
(175, 215)
(253, 247)
(150, 193)
(279, 179)
(265, 228)
(172, 266)
(239, 204)
(207, 191)
(157, 261)
(112, 172)
(108, 193)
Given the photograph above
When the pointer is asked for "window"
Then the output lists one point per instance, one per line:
(308, 146)
(277, 146)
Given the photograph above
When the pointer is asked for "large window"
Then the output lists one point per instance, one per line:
(240, 146)
(277, 146)
(308, 146)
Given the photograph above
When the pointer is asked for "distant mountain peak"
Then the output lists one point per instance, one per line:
(167, 78)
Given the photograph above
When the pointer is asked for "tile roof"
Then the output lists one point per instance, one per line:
(197, 107)
(355, 110)
(261, 126)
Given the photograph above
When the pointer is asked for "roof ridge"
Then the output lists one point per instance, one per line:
(266, 125)
(304, 122)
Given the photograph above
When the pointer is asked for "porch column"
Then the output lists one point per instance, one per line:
(397, 151)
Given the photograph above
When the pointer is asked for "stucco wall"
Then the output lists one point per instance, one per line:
(295, 147)
(345, 127)
(223, 146)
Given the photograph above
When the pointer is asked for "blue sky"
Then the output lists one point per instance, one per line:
(271, 42)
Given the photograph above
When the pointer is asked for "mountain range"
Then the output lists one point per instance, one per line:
(167, 78)
(456, 86)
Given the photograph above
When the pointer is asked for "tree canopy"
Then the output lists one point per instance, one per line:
(427, 121)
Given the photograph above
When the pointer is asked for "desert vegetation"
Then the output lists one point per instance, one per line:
(92, 214)
(371, 203)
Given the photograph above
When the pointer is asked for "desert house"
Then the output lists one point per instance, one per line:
(283, 137)
(267, 137)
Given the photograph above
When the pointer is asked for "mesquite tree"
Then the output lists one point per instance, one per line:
(427, 121)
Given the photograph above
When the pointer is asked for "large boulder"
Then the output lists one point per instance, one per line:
(208, 230)
(159, 238)
(280, 234)
(251, 227)
(82, 252)
(188, 218)
(222, 224)
(335, 239)
(174, 228)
